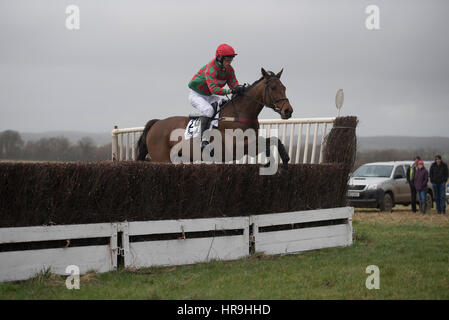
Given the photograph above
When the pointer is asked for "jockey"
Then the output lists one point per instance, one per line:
(206, 86)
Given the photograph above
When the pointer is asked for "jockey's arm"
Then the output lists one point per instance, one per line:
(232, 80)
(212, 83)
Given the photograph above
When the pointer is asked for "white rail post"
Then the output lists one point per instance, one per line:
(315, 136)
(322, 141)
(276, 156)
(114, 145)
(123, 227)
(290, 145)
(133, 147)
(306, 146)
(298, 145)
(121, 146)
(127, 147)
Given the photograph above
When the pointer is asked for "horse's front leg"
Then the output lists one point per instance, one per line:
(281, 149)
(284, 155)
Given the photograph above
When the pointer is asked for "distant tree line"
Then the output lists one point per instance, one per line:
(12, 147)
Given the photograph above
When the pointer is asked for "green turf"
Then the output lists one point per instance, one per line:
(413, 259)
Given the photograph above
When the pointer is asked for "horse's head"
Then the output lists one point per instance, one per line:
(274, 95)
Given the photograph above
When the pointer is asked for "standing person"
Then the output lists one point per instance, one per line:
(438, 178)
(420, 180)
(410, 175)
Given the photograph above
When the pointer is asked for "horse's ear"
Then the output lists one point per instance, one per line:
(264, 73)
(279, 74)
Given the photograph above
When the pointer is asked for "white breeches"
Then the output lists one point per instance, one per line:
(203, 104)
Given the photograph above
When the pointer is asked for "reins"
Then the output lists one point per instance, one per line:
(271, 105)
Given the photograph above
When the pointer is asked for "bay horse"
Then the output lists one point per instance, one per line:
(240, 112)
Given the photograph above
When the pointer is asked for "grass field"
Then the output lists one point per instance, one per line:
(411, 251)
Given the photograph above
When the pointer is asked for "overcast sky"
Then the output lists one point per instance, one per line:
(131, 60)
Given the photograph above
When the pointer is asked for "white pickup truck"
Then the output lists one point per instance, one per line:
(383, 185)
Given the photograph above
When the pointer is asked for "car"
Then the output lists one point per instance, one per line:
(382, 185)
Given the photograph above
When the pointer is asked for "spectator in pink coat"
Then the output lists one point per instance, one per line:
(420, 180)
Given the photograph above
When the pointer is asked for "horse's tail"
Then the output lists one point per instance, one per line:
(141, 143)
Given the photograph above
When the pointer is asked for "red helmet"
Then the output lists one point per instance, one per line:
(225, 50)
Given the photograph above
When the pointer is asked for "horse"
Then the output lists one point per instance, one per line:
(240, 112)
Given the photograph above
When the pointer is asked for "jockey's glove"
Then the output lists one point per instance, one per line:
(238, 90)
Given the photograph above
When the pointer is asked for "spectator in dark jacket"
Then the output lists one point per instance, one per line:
(410, 176)
(421, 178)
(438, 178)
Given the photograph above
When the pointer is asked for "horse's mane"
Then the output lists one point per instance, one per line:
(236, 98)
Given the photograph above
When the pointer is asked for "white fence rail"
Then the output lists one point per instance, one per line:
(296, 134)
(23, 264)
(302, 238)
(172, 242)
(187, 250)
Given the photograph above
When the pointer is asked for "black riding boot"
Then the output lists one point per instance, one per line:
(205, 122)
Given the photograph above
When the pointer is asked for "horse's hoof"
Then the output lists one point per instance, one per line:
(283, 171)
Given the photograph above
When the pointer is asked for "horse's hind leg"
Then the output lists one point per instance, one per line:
(159, 152)
(158, 140)
(158, 148)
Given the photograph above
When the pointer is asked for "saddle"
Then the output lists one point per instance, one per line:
(194, 116)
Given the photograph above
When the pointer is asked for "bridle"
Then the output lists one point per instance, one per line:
(271, 105)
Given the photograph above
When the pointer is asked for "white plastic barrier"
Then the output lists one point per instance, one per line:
(24, 264)
(186, 250)
(299, 237)
(173, 242)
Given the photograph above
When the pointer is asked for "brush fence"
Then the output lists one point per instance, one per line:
(302, 137)
(168, 242)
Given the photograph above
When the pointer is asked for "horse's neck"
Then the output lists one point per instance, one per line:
(245, 107)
